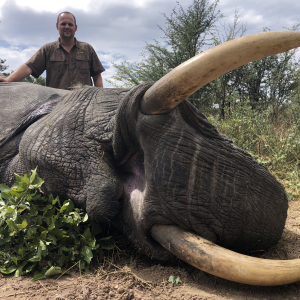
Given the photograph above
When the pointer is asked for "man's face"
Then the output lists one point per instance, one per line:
(66, 26)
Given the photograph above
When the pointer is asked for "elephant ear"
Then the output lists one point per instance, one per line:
(21, 104)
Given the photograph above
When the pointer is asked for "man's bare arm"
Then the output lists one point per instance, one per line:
(22, 72)
(98, 80)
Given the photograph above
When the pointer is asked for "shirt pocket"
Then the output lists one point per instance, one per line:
(58, 63)
(83, 64)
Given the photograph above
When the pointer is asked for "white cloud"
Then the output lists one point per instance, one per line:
(252, 17)
(15, 56)
(108, 58)
(51, 6)
(56, 6)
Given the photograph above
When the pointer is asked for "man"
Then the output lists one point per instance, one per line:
(67, 61)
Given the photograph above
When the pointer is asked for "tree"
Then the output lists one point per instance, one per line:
(186, 33)
(41, 80)
(267, 83)
(2, 66)
(222, 90)
(270, 81)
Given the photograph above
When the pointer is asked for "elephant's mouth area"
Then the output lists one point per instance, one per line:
(132, 175)
(134, 218)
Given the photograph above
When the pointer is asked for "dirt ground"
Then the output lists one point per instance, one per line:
(128, 275)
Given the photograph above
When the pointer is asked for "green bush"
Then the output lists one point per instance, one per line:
(41, 235)
(276, 145)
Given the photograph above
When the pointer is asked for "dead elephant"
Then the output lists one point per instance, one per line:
(147, 161)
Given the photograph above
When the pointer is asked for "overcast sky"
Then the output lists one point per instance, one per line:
(119, 29)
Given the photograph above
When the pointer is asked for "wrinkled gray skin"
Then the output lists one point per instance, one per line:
(132, 170)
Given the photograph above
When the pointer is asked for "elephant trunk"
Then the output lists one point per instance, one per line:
(224, 263)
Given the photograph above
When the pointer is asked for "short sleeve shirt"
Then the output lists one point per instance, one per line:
(64, 69)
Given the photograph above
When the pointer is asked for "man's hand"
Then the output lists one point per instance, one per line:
(3, 79)
(22, 72)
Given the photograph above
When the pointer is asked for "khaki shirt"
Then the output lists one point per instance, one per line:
(64, 69)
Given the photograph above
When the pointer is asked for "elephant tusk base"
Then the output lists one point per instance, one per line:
(224, 263)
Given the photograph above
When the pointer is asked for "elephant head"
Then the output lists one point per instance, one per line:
(186, 187)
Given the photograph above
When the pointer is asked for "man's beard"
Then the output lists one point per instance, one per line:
(67, 35)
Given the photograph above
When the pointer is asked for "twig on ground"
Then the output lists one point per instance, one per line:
(43, 285)
(66, 271)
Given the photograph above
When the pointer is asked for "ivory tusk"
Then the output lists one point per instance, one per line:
(191, 75)
(224, 263)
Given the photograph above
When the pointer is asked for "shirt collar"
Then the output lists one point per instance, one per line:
(76, 43)
(58, 43)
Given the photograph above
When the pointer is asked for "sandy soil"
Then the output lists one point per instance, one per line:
(128, 275)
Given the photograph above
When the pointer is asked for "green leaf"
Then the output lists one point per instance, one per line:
(23, 225)
(35, 259)
(17, 273)
(91, 242)
(39, 252)
(87, 254)
(18, 178)
(37, 183)
(10, 209)
(81, 265)
(53, 271)
(21, 251)
(85, 218)
(108, 246)
(67, 249)
(64, 207)
(15, 260)
(54, 201)
(87, 233)
(51, 226)
(43, 234)
(36, 197)
(38, 276)
(31, 231)
(171, 279)
(43, 246)
(106, 238)
(52, 238)
(20, 271)
(33, 175)
(8, 270)
(5, 196)
(12, 226)
(4, 188)
(25, 179)
(21, 210)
